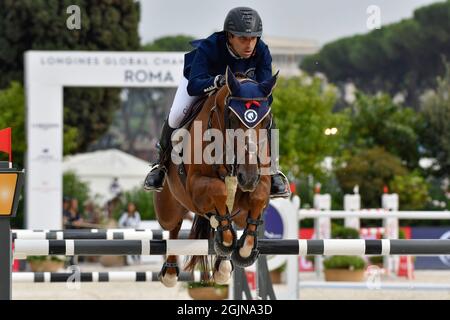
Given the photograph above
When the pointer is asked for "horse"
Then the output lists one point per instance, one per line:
(234, 189)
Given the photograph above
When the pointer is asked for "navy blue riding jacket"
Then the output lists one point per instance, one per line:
(212, 56)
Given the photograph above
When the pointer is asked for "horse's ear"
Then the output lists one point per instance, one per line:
(268, 85)
(233, 84)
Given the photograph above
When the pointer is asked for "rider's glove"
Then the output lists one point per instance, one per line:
(219, 81)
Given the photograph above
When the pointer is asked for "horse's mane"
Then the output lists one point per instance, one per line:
(241, 75)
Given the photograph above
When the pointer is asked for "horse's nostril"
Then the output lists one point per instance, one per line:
(240, 177)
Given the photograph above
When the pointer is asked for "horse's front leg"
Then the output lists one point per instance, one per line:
(210, 195)
(246, 252)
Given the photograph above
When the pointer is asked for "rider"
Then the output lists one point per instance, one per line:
(238, 46)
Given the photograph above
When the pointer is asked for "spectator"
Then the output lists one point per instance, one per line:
(91, 212)
(131, 218)
(72, 218)
(66, 206)
(115, 189)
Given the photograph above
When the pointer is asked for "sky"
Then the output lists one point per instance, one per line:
(319, 20)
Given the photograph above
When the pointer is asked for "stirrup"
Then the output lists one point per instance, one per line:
(151, 187)
(287, 192)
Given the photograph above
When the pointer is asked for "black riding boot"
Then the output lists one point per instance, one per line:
(279, 183)
(155, 179)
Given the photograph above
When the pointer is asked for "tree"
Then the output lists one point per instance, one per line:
(400, 57)
(12, 106)
(142, 200)
(412, 190)
(41, 25)
(371, 170)
(12, 111)
(435, 135)
(378, 121)
(170, 43)
(302, 107)
(73, 187)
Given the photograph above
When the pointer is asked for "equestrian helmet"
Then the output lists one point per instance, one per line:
(243, 21)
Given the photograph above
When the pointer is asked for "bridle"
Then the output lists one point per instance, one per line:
(231, 167)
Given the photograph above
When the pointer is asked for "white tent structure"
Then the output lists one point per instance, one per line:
(99, 168)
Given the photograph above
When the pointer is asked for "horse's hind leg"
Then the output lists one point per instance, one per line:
(170, 270)
(169, 213)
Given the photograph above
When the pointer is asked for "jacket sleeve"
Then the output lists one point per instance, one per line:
(263, 71)
(200, 81)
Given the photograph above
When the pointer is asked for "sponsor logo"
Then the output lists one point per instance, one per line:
(250, 115)
(45, 156)
(45, 126)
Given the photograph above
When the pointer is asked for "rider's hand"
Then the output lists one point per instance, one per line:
(219, 81)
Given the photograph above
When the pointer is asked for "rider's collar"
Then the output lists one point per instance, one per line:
(234, 55)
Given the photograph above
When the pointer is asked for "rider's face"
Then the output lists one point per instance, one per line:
(243, 46)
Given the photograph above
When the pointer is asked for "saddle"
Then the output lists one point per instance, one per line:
(194, 110)
(186, 123)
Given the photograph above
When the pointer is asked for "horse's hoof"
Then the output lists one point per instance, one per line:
(245, 251)
(220, 247)
(223, 273)
(244, 262)
(221, 278)
(169, 280)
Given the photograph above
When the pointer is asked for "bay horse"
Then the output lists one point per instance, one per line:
(232, 189)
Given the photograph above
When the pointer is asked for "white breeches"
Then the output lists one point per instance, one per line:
(181, 104)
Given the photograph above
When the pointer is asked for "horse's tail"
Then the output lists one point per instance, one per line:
(201, 229)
